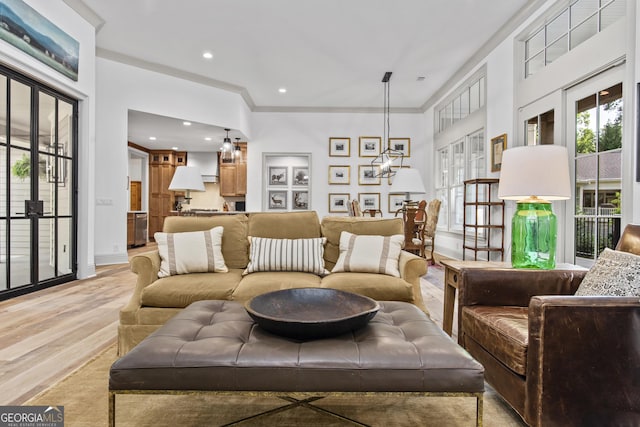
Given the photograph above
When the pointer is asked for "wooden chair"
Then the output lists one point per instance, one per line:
(354, 208)
(427, 232)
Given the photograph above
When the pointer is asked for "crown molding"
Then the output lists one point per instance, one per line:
(87, 13)
(174, 72)
(356, 110)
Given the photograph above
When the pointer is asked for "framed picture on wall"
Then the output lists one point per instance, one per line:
(402, 145)
(300, 176)
(367, 175)
(339, 202)
(396, 201)
(370, 146)
(369, 201)
(277, 200)
(278, 175)
(498, 145)
(300, 200)
(339, 147)
(339, 174)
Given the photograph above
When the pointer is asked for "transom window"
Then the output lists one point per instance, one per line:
(470, 99)
(575, 24)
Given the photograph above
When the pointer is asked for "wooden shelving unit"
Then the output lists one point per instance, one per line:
(483, 219)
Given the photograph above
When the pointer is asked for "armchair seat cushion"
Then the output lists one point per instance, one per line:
(502, 331)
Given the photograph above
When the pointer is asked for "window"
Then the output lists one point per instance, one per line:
(461, 160)
(539, 129)
(466, 101)
(575, 24)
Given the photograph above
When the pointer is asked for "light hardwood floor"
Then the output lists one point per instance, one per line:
(48, 334)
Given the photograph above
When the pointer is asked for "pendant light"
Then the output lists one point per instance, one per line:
(237, 153)
(227, 148)
(388, 160)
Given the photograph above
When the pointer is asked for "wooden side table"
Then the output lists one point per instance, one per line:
(453, 279)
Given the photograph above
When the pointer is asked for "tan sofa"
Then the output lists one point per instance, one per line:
(155, 300)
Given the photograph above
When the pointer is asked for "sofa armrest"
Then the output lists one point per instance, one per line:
(412, 267)
(146, 266)
(583, 361)
(514, 287)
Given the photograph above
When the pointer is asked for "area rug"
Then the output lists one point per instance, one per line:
(84, 397)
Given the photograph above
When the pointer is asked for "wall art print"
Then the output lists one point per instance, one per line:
(32, 33)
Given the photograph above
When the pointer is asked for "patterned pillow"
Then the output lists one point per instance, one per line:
(304, 255)
(369, 254)
(191, 252)
(615, 273)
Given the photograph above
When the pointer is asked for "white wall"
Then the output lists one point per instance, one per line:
(83, 90)
(121, 87)
(310, 133)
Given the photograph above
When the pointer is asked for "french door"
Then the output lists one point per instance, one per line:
(38, 142)
(594, 132)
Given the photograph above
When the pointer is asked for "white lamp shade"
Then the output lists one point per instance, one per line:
(408, 181)
(535, 170)
(187, 178)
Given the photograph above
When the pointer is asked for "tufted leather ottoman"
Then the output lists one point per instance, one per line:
(214, 346)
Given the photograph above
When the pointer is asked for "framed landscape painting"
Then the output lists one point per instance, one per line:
(396, 201)
(339, 202)
(367, 175)
(369, 201)
(339, 147)
(339, 174)
(370, 146)
(402, 145)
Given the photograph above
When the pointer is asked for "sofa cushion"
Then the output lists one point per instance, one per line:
(180, 291)
(369, 254)
(615, 273)
(501, 331)
(260, 283)
(377, 286)
(190, 252)
(235, 246)
(333, 226)
(304, 255)
(284, 225)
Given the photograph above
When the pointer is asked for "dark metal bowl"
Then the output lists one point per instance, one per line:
(311, 313)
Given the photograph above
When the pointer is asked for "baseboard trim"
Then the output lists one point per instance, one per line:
(108, 259)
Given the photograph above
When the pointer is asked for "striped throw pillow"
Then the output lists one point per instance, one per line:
(304, 255)
(369, 254)
(191, 252)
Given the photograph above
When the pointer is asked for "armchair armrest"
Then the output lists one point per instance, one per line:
(583, 360)
(511, 287)
(146, 266)
(412, 267)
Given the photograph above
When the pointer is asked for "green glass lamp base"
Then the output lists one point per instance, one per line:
(533, 236)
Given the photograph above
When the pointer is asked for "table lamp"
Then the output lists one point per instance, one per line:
(534, 176)
(187, 179)
(408, 181)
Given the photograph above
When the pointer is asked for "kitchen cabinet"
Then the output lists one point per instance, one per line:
(162, 165)
(233, 175)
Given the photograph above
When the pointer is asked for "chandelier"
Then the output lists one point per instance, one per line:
(386, 163)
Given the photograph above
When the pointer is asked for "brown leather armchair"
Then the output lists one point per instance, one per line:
(556, 358)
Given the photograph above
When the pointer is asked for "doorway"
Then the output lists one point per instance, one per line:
(38, 143)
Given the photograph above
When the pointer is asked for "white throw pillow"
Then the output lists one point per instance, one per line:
(191, 252)
(304, 255)
(615, 273)
(369, 254)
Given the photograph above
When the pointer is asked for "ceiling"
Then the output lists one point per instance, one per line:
(330, 55)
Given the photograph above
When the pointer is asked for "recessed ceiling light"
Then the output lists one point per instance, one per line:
(207, 55)
(174, 148)
(208, 138)
(282, 90)
(420, 78)
(152, 138)
(186, 123)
